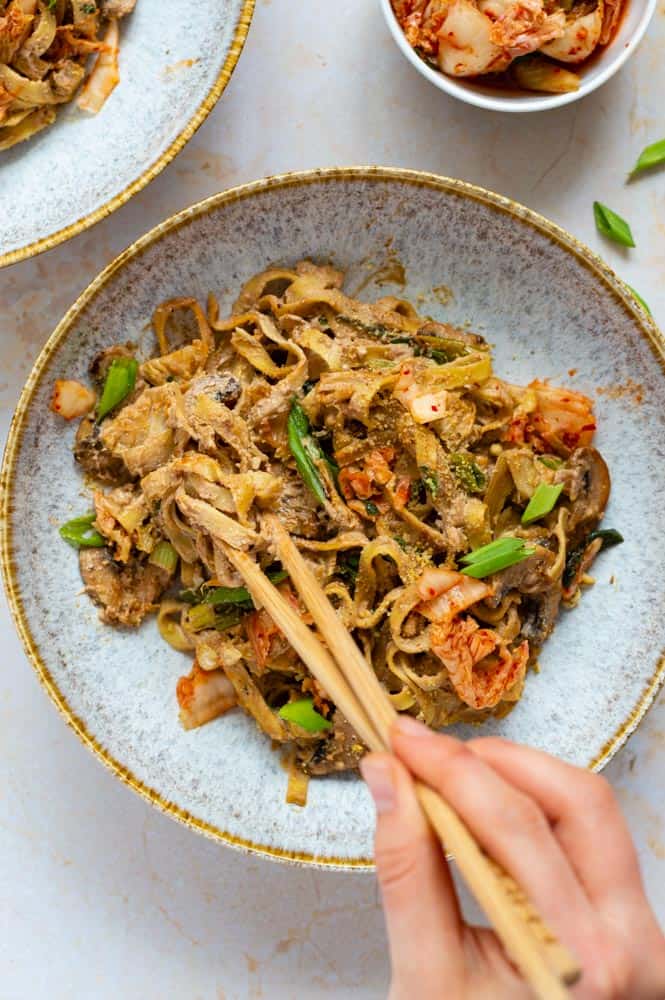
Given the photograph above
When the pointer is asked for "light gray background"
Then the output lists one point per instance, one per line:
(100, 895)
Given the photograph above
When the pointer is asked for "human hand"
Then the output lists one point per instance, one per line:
(556, 829)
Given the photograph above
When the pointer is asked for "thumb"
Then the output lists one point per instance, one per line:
(422, 914)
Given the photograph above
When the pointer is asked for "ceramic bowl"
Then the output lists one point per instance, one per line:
(602, 67)
(175, 61)
(550, 308)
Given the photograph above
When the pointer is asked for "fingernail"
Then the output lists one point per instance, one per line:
(379, 777)
(406, 725)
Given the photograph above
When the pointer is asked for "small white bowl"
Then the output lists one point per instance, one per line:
(609, 61)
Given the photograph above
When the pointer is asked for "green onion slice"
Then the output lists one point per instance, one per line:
(612, 225)
(199, 617)
(203, 616)
(651, 156)
(542, 502)
(498, 555)
(305, 450)
(608, 537)
(218, 596)
(80, 533)
(640, 300)
(120, 381)
(430, 479)
(551, 461)
(164, 556)
(470, 475)
(498, 547)
(303, 714)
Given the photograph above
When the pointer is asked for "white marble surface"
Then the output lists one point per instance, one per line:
(100, 895)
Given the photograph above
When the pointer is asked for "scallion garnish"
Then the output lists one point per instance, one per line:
(371, 508)
(542, 502)
(640, 300)
(120, 381)
(495, 556)
(303, 714)
(306, 451)
(203, 616)
(652, 156)
(506, 544)
(80, 533)
(218, 596)
(551, 461)
(612, 225)
(470, 475)
(164, 556)
(608, 537)
(430, 479)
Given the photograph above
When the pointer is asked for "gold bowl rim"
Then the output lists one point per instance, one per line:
(67, 232)
(584, 255)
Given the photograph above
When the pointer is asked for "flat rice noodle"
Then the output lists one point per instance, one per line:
(163, 313)
(220, 527)
(33, 122)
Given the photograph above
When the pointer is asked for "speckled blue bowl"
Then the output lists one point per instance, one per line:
(175, 61)
(552, 310)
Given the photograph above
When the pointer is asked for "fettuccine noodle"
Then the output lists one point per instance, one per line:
(392, 454)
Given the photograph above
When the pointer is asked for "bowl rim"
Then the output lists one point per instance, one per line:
(521, 104)
(52, 240)
(370, 174)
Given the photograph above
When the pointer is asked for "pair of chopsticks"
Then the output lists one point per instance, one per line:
(349, 680)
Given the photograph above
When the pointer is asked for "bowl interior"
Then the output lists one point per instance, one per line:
(600, 68)
(170, 67)
(550, 311)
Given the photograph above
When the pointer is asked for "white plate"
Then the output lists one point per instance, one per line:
(175, 61)
(545, 302)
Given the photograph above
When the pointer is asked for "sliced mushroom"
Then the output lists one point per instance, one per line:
(588, 485)
(341, 750)
(126, 594)
(297, 509)
(97, 460)
(540, 612)
(527, 577)
(117, 8)
(223, 388)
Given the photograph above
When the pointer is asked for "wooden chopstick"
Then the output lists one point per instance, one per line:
(531, 944)
(355, 689)
(306, 645)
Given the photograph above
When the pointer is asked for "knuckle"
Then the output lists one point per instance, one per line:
(398, 866)
(527, 817)
(621, 974)
(611, 978)
(600, 794)
(457, 755)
